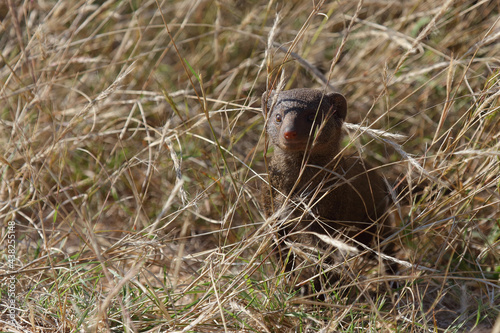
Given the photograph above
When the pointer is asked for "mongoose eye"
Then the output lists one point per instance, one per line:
(278, 118)
(310, 118)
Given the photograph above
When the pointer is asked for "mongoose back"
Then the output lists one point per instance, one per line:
(340, 196)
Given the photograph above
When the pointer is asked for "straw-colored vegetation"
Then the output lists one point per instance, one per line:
(132, 153)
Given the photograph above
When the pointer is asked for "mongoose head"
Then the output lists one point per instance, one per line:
(305, 119)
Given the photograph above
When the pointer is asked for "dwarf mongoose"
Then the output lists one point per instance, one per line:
(325, 192)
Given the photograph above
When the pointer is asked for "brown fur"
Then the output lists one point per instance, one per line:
(346, 195)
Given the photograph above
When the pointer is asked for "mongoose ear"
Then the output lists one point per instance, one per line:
(266, 99)
(339, 104)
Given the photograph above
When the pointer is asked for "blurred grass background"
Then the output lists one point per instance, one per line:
(132, 153)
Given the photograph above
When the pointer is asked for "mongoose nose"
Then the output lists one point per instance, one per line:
(290, 135)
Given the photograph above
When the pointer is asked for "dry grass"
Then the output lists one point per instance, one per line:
(132, 155)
